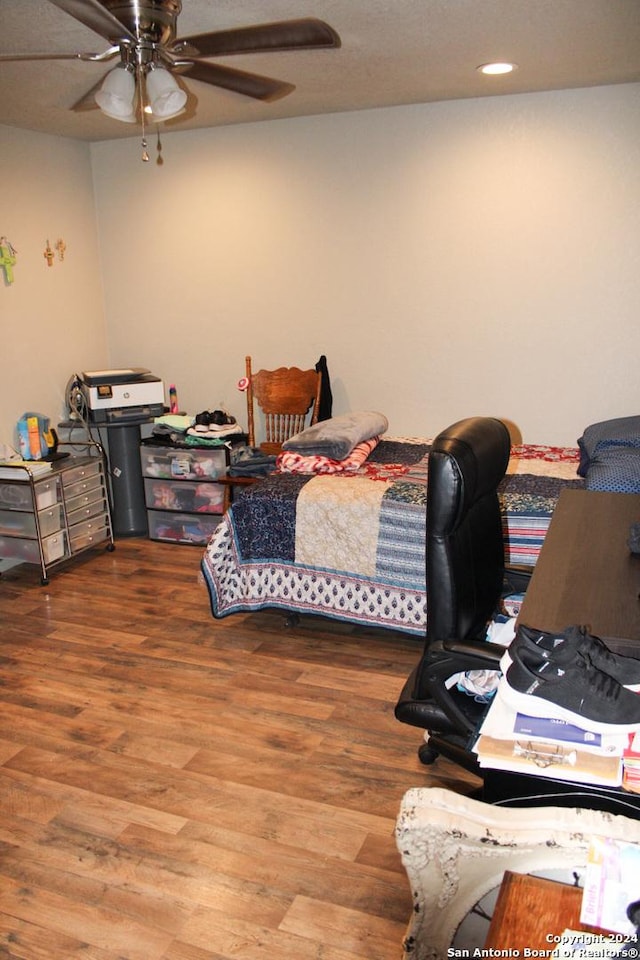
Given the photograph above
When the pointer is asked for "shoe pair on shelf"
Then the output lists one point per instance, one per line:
(571, 676)
(218, 418)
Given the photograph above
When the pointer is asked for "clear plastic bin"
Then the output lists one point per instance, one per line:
(87, 533)
(84, 472)
(96, 495)
(93, 509)
(181, 527)
(17, 524)
(53, 547)
(17, 496)
(178, 495)
(82, 487)
(175, 463)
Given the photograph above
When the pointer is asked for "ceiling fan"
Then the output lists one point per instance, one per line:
(143, 34)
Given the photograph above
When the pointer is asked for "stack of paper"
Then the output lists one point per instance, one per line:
(37, 467)
(548, 747)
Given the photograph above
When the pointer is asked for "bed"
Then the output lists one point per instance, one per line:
(351, 545)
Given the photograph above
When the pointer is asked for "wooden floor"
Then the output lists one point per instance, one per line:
(174, 787)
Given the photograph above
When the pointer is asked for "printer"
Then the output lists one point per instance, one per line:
(118, 396)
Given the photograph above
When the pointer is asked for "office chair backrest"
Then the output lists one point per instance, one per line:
(465, 554)
(288, 399)
(465, 569)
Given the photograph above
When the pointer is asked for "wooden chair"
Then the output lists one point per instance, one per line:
(281, 402)
(284, 397)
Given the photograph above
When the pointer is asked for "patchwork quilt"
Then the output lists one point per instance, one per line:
(528, 494)
(351, 545)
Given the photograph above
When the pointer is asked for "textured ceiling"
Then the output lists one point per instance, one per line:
(393, 52)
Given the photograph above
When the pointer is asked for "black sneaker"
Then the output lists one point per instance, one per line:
(572, 642)
(203, 419)
(221, 418)
(216, 419)
(576, 692)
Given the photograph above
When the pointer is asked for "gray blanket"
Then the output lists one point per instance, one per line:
(336, 438)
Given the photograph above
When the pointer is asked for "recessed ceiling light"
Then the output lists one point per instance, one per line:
(495, 69)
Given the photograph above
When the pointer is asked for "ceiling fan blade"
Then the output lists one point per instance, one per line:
(238, 81)
(88, 101)
(286, 35)
(92, 57)
(97, 18)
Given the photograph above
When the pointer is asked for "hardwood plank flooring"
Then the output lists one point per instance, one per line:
(174, 787)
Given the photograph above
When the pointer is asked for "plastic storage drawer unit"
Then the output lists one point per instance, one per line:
(51, 518)
(182, 492)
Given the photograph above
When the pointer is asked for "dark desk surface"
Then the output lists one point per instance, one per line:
(585, 573)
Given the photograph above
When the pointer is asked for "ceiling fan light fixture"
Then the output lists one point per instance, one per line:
(117, 94)
(498, 68)
(166, 98)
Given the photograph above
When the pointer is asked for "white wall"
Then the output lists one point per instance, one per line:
(51, 318)
(470, 257)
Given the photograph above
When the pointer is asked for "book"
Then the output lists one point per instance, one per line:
(504, 723)
(610, 884)
(631, 780)
(555, 760)
(550, 728)
(37, 467)
(631, 755)
(631, 764)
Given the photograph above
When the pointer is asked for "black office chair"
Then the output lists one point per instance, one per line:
(465, 576)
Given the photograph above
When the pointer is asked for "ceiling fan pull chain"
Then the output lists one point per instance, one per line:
(145, 153)
(159, 158)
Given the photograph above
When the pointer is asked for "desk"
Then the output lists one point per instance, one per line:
(585, 573)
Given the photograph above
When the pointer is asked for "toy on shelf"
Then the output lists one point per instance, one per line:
(8, 254)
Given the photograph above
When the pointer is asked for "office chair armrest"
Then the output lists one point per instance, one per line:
(458, 656)
(486, 654)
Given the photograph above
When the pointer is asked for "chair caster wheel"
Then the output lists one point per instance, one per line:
(427, 755)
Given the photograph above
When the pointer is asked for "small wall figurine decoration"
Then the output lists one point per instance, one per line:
(48, 254)
(61, 247)
(8, 254)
